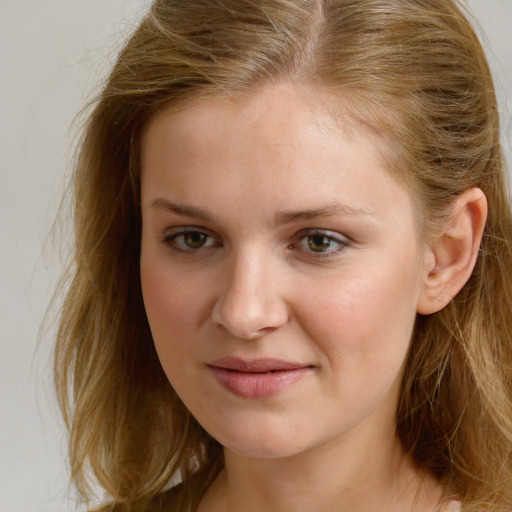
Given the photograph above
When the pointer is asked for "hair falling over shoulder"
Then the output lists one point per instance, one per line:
(412, 70)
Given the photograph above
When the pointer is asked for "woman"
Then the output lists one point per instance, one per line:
(290, 288)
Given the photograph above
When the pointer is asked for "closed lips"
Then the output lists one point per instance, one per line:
(256, 365)
(261, 378)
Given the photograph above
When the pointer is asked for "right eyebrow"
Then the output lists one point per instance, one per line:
(182, 209)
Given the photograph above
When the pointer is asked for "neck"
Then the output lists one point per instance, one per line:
(343, 475)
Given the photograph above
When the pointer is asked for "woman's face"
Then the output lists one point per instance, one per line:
(281, 270)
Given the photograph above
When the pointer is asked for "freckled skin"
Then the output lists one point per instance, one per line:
(258, 289)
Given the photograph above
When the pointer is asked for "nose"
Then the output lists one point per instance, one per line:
(251, 302)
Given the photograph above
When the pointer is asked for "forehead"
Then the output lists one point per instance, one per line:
(279, 117)
(328, 107)
(281, 146)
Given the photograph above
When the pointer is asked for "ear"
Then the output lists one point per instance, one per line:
(450, 260)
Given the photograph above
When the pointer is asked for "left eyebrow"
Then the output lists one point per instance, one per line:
(345, 210)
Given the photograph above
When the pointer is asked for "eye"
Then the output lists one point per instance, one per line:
(321, 242)
(189, 240)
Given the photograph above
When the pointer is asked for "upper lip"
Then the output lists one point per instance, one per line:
(261, 365)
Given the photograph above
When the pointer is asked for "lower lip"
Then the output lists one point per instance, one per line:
(258, 385)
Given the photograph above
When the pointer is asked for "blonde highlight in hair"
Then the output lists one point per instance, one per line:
(414, 71)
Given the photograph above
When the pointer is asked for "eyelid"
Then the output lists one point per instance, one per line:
(342, 242)
(171, 235)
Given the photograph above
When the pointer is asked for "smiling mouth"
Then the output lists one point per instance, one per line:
(260, 378)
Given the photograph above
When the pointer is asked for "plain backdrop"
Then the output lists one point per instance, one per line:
(53, 54)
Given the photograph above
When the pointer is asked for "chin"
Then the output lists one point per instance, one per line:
(262, 443)
(266, 450)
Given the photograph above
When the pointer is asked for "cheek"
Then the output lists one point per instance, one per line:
(174, 306)
(173, 312)
(366, 318)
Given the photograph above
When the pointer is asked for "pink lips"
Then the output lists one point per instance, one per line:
(259, 378)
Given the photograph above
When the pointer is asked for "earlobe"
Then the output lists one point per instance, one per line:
(452, 257)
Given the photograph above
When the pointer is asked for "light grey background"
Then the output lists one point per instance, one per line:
(53, 54)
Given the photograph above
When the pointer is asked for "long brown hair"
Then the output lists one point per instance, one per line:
(415, 72)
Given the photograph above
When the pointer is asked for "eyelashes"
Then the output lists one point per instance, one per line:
(310, 243)
(320, 242)
(190, 240)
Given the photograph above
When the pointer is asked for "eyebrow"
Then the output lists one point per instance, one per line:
(287, 217)
(182, 209)
(281, 218)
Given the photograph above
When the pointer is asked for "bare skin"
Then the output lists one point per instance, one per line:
(288, 240)
(306, 486)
